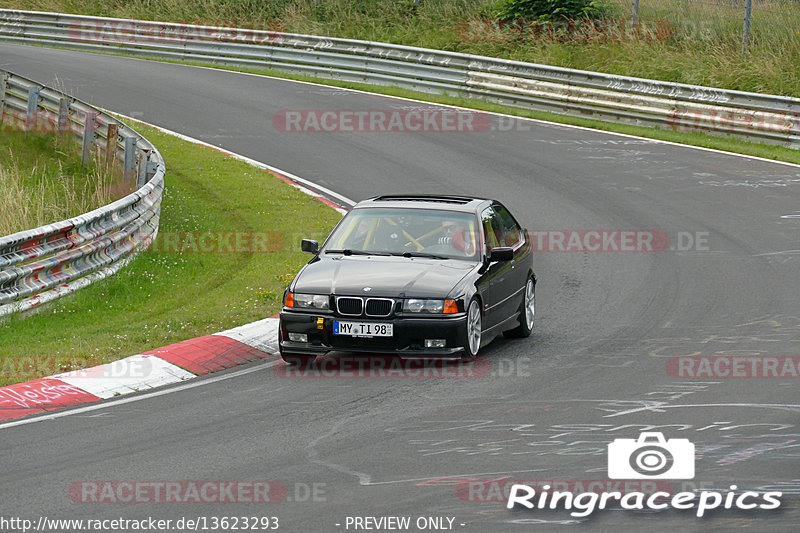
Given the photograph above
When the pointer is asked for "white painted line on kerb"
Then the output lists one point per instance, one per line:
(129, 399)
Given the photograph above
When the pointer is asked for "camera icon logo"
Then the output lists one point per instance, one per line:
(651, 457)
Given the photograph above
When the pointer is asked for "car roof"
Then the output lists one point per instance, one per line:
(427, 201)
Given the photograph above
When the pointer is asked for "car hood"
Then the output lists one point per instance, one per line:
(386, 276)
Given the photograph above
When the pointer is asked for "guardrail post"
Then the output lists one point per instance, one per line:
(746, 31)
(111, 145)
(143, 167)
(130, 157)
(33, 108)
(63, 115)
(3, 85)
(150, 171)
(88, 136)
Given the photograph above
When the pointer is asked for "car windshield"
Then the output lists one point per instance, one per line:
(409, 232)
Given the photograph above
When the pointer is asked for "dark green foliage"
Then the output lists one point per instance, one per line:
(546, 10)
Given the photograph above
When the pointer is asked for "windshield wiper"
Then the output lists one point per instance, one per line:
(348, 251)
(422, 254)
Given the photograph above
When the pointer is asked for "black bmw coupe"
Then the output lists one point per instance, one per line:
(414, 276)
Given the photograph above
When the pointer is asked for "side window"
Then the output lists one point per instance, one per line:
(511, 233)
(491, 227)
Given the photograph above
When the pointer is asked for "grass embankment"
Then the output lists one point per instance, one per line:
(702, 39)
(165, 297)
(42, 181)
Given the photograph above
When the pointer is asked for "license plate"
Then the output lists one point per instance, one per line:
(362, 329)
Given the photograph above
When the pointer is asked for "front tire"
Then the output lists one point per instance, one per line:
(527, 312)
(472, 331)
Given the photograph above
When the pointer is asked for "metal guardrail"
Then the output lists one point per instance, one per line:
(44, 263)
(752, 116)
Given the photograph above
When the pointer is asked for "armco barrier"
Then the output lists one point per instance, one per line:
(41, 264)
(756, 117)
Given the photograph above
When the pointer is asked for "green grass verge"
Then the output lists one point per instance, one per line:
(42, 180)
(162, 298)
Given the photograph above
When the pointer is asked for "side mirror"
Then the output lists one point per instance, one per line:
(309, 246)
(501, 253)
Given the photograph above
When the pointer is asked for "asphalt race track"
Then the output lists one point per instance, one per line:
(595, 369)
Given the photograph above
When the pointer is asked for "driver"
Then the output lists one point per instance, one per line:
(455, 235)
(449, 229)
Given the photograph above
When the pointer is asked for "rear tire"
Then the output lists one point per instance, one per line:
(527, 311)
(471, 338)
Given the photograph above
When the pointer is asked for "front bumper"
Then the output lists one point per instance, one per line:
(408, 339)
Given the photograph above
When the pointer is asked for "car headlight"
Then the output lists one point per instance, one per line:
(307, 301)
(419, 305)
